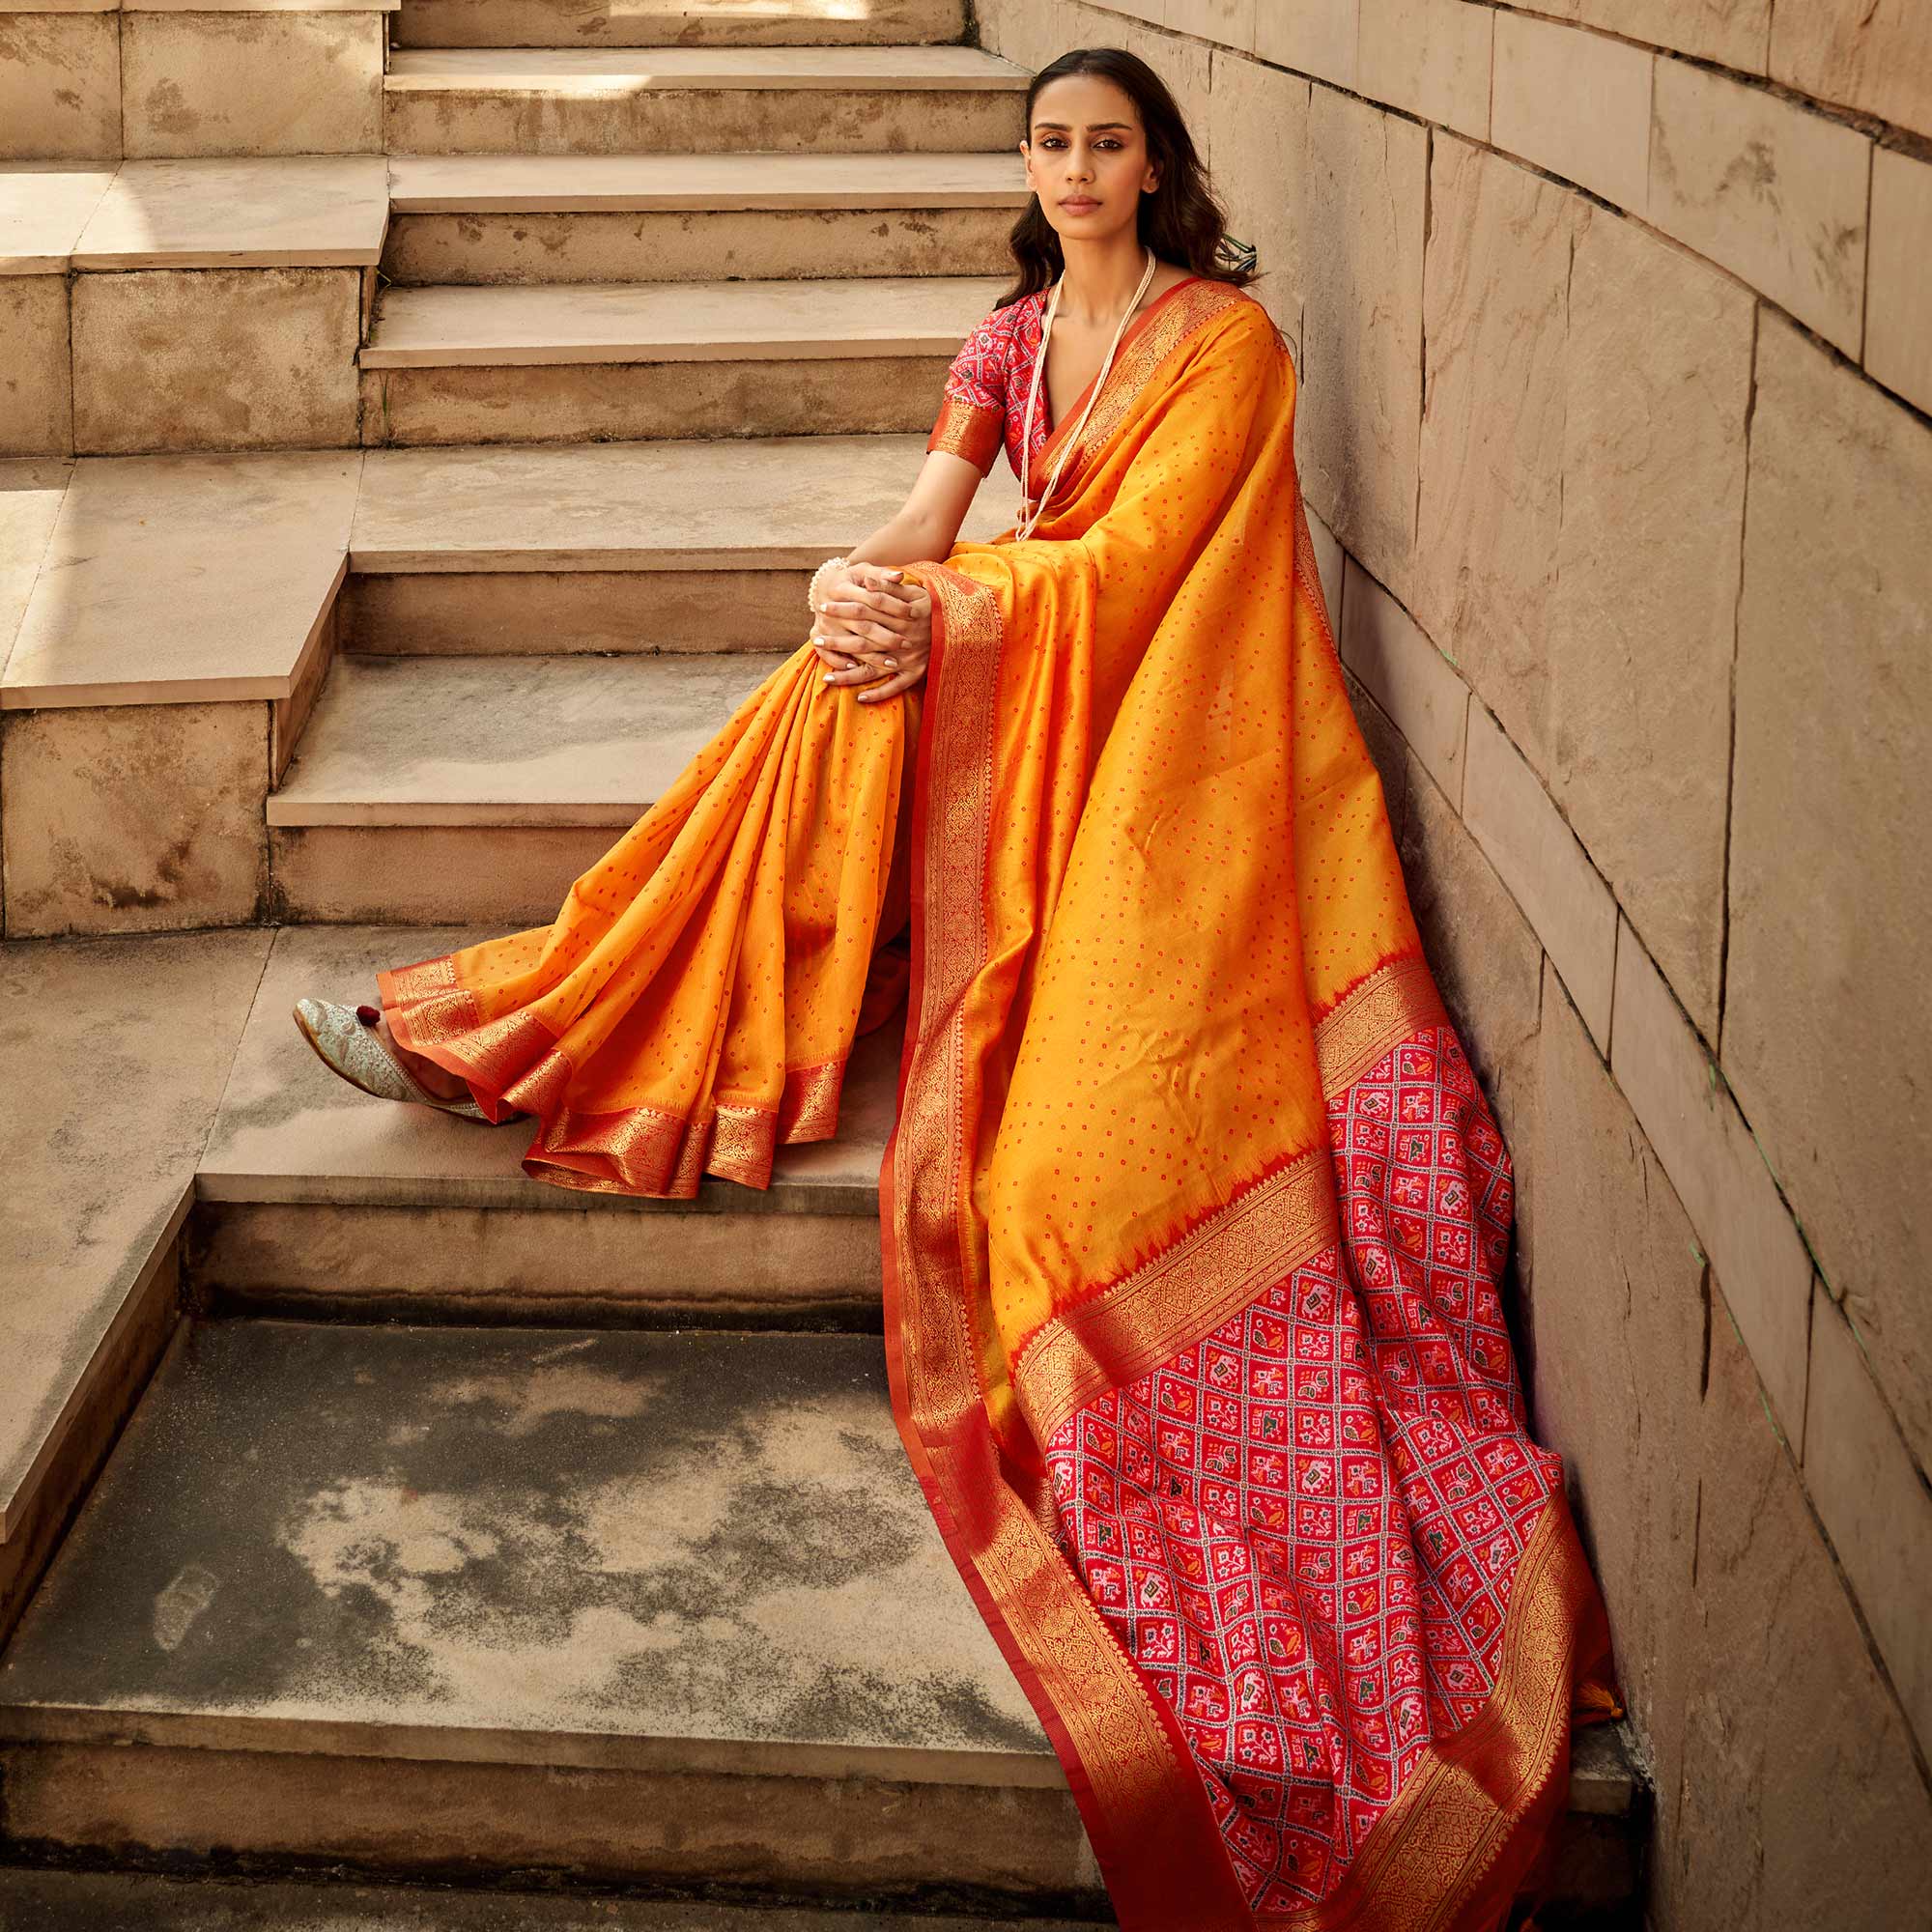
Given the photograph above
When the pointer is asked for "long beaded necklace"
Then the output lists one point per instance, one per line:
(1025, 528)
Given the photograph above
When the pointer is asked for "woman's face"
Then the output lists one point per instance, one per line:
(1087, 156)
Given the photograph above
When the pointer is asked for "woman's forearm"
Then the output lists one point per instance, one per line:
(907, 538)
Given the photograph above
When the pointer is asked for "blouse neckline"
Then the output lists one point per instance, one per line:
(1043, 409)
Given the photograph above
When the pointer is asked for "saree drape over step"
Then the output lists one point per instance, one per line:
(1194, 1213)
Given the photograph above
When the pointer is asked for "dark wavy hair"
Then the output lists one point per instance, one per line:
(1181, 220)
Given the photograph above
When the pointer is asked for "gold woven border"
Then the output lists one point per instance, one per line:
(743, 1140)
(1309, 569)
(1088, 1691)
(961, 430)
(808, 1106)
(425, 1005)
(1448, 1851)
(1192, 1286)
(1394, 1001)
(1157, 333)
(515, 1063)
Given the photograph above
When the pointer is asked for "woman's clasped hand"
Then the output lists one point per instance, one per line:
(874, 628)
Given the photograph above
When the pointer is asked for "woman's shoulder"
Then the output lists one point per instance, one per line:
(1240, 316)
(1002, 332)
(1013, 320)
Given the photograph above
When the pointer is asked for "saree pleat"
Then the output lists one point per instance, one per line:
(691, 1007)
(1194, 1216)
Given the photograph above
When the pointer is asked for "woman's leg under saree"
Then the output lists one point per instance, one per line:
(691, 1006)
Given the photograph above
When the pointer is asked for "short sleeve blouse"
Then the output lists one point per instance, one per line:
(987, 390)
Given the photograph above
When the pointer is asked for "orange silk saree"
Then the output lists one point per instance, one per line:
(1194, 1212)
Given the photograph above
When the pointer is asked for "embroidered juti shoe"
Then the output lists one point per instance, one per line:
(347, 1046)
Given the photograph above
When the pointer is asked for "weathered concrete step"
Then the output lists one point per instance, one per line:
(587, 100)
(576, 362)
(522, 218)
(743, 321)
(429, 785)
(462, 1603)
(62, 1901)
(315, 1198)
(572, 184)
(616, 547)
(452, 406)
(504, 743)
(123, 1045)
(669, 23)
(465, 1605)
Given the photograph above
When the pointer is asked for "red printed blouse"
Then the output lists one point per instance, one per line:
(986, 387)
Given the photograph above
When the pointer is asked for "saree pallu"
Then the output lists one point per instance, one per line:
(1194, 1214)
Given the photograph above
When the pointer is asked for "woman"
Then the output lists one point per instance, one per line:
(1194, 1213)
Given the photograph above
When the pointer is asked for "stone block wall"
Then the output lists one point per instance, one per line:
(99, 79)
(127, 101)
(1613, 322)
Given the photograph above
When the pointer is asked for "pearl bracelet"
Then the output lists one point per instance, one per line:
(811, 588)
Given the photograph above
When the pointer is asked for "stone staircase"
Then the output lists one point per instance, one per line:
(482, 1554)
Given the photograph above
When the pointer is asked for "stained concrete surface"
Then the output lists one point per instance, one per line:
(671, 70)
(695, 244)
(605, 1548)
(31, 489)
(656, 23)
(284, 211)
(41, 1901)
(507, 740)
(113, 1054)
(676, 321)
(216, 359)
(43, 208)
(288, 1129)
(244, 553)
(757, 503)
(794, 397)
(134, 817)
(528, 183)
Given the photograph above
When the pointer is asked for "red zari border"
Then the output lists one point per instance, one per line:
(1145, 1810)
(514, 1066)
(1449, 1850)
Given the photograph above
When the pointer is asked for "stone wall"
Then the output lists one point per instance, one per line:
(98, 79)
(1616, 340)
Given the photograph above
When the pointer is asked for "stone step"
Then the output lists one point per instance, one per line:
(592, 101)
(500, 778)
(903, 316)
(315, 1199)
(503, 744)
(482, 218)
(619, 547)
(646, 361)
(209, 303)
(678, 24)
(122, 1901)
(608, 1609)
(462, 1603)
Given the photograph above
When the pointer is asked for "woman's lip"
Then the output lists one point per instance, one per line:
(1079, 201)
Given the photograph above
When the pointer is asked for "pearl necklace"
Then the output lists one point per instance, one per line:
(1025, 528)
